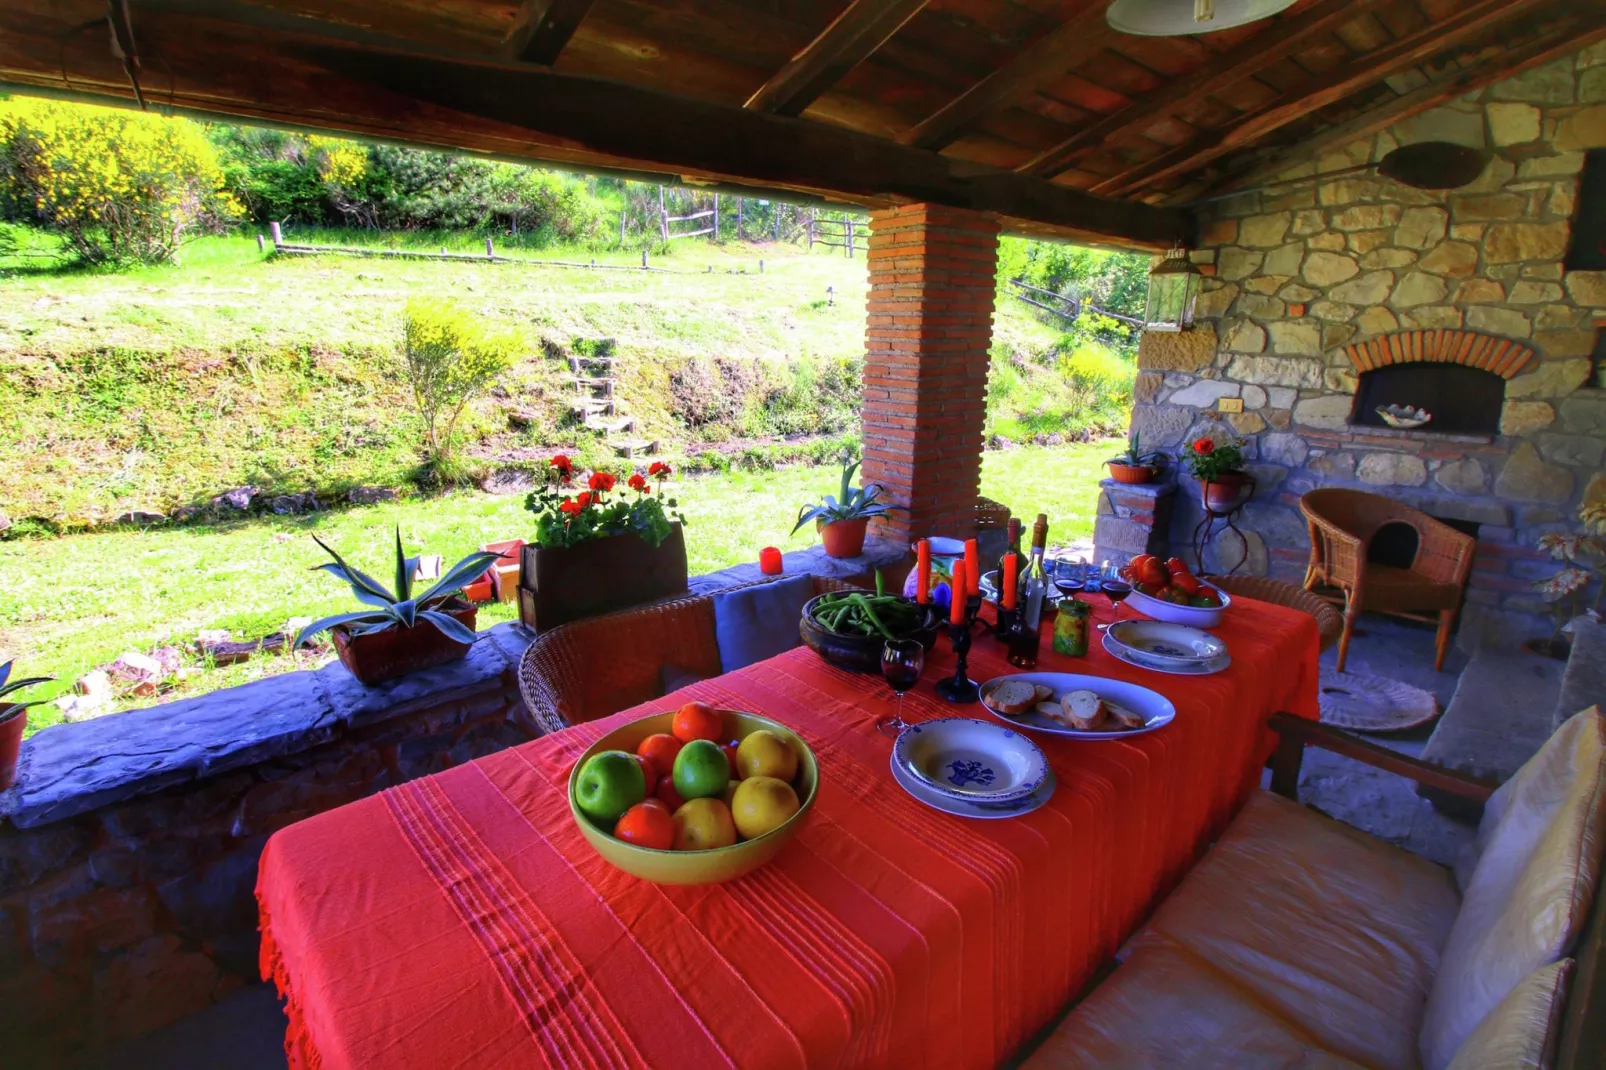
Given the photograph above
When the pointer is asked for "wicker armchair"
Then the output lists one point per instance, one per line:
(1329, 621)
(1342, 525)
(590, 668)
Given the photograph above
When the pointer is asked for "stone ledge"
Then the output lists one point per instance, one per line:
(1159, 488)
(878, 553)
(66, 770)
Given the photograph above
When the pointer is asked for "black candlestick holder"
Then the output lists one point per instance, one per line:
(960, 688)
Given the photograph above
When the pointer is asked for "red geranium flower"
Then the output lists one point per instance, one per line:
(601, 481)
(638, 483)
(571, 507)
(585, 500)
(658, 470)
(564, 466)
(1205, 446)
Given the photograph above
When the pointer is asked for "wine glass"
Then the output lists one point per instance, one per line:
(1068, 576)
(902, 661)
(1116, 587)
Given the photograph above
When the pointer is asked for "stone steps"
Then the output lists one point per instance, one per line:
(631, 447)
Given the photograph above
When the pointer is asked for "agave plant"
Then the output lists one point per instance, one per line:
(9, 710)
(398, 609)
(1133, 454)
(853, 503)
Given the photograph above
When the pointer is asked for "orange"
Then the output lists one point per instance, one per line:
(647, 824)
(702, 825)
(698, 720)
(661, 747)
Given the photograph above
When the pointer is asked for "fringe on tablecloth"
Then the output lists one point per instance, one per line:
(299, 1051)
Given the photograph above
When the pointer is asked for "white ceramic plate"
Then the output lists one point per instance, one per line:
(1156, 710)
(1206, 668)
(977, 761)
(980, 810)
(1169, 644)
(1193, 616)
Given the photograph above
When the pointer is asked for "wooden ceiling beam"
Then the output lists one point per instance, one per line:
(850, 39)
(543, 30)
(1566, 37)
(1081, 37)
(1217, 73)
(1402, 55)
(217, 67)
(1406, 52)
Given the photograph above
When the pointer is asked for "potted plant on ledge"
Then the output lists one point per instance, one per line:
(841, 521)
(1132, 465)
(1219, 468)
(13, 721)
(1568, 590)
(599, 547)
(400, 633)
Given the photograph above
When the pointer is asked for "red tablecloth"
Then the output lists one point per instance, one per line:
(460, 920)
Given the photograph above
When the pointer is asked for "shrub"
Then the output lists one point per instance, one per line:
(451, 358)
(120, 186)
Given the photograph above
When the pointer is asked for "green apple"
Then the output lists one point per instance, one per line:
(701, 770)
(610, 783)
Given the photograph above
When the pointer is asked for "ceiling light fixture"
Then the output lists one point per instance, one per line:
(1176, 18)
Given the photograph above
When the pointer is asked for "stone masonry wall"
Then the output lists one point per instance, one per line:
(128, 853)
(1300, 272)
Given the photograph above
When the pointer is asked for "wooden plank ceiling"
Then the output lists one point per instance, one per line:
(1033, 110)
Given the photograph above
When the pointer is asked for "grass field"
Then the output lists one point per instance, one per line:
(74, 602)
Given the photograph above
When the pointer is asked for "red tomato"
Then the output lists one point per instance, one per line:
(1150, 572)
(667, 794)
(698, 720)
(647, 824)
(1176, 566)
(649, 771)
(661, 747)
(1185, 582)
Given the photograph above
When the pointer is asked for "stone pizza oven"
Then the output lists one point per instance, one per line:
(1327, 298)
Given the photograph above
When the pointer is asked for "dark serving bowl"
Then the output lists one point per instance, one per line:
(859, 653)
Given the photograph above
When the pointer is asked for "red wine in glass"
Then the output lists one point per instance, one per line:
(902, 661)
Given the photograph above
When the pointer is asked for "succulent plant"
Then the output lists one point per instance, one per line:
(398, 609)
(9, 686)
(1133, 455)
(853, 503)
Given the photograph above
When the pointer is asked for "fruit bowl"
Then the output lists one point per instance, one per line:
(858, 653)
(1194, 616)
(696, 867)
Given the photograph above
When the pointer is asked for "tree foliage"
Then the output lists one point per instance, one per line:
(451, 359)
(120, 186)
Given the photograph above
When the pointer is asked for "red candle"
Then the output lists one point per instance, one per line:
(956, 614)
(923, 577)
(769, 561)
(972, 567)
(1011, 573)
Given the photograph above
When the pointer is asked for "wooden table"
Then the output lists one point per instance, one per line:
(461, 920)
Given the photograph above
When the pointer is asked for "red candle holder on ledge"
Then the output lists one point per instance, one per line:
(769, 561)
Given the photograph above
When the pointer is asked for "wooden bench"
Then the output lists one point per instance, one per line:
(1298, 941)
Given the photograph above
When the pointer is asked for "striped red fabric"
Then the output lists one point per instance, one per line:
(461, 920)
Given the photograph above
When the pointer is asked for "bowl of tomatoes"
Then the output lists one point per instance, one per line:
(1169, 591)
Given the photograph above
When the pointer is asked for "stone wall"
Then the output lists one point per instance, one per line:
(128, 850)
(1300, 272)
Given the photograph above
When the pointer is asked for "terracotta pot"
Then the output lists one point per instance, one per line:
(385, 655)
(1131, 473)
(844, 538)
(10, 746)
(1227, 492)
(557, 585)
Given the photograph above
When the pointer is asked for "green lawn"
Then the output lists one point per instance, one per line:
(72, 603)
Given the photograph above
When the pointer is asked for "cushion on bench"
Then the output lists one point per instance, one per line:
(759, 622)
(1521, 1032)
(1165, 1007)
(1328, 927)
(1528, 896)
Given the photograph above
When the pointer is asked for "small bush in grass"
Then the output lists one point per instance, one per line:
(451, 359)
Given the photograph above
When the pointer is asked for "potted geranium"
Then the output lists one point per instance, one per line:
(400, 632)
(841, 521)
(1567, 590)
(13, 721)
(1132, 465)
(599, 546)
(1219, 468)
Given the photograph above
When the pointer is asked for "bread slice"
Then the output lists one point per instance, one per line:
(1044, 693)
(1054, 712)
(1083, 709)
(1123, 717)
(1013, 698)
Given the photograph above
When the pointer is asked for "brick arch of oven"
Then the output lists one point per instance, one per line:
(1458, 377)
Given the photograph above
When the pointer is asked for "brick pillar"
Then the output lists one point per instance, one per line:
(925, 371)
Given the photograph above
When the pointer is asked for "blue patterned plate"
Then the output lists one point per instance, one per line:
(978, 810)
(977, 761)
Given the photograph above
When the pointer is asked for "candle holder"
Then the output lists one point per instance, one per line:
(1007, 620)
(960, 688)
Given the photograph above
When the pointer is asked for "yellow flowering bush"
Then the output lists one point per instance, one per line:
(120, 186)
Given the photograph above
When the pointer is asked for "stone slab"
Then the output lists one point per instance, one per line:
(1583, 681)
(878, 553)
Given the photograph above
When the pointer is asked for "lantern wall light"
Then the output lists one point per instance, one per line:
(1173, 291)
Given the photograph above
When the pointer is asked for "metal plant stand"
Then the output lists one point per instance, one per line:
(1217, 521)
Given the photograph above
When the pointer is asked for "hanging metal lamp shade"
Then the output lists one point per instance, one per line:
(1175, 18)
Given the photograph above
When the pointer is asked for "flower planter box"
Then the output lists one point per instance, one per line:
(600, 576)
(385, 655)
